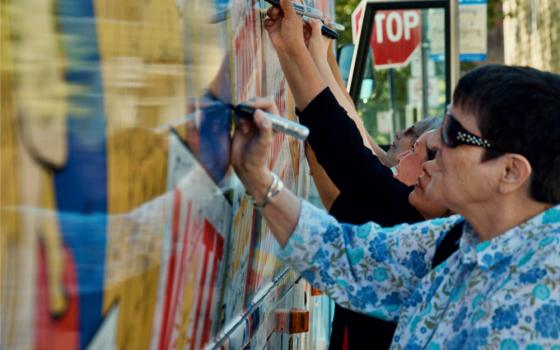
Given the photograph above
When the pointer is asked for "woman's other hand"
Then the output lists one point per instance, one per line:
(252, 142)
(285, 28)
(318, 43)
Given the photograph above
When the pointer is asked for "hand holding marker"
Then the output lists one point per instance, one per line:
(304, 10)
(280, 124)
(311, 12)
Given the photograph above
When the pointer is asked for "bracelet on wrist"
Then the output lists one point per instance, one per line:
(275, 187)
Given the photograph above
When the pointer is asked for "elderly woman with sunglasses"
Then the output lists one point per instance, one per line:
(497, 165)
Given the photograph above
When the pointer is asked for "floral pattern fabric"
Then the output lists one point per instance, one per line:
(503, 293)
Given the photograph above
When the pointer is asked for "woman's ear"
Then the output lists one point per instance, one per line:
(516, 172)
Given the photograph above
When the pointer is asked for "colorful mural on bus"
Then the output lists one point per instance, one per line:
(123, 225)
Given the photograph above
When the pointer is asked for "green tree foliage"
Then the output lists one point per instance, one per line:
(343, 10)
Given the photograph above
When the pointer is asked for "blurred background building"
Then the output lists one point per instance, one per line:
(532, 33)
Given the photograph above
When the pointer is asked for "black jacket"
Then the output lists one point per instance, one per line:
(368, 190)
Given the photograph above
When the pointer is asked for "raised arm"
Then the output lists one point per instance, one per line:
(328, 192)
(352, 167)
(331, 58)
(251, 146)
(328, 67)
(285, 29)
(366, 268)
(320, 49)
(379, 152)
(334, 137)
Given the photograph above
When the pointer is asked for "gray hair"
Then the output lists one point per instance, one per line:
(425, 125)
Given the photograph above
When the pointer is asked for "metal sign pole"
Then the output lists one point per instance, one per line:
(454, 44)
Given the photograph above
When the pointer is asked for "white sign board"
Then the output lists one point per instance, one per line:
(473, 30)
(385, 122)
(436, 33)
(415, 91)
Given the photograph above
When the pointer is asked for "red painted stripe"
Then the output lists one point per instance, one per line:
(249, 260)
(164, 332)
(181, 267)
(207, 241)
(62, 332)
(218, 248)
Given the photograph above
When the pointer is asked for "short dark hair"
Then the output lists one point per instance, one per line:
(519, 109)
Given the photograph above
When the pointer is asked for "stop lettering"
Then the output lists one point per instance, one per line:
(395, 36)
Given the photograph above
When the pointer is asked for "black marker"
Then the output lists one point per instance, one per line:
(329, 33)
(312, 12)
(280, 124)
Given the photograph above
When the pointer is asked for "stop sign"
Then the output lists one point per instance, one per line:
(396, 34)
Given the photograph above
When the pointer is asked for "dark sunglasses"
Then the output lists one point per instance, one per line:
(453, 134)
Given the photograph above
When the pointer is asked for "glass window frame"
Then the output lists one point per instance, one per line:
(359, 60)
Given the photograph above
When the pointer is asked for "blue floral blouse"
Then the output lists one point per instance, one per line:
(500, 294)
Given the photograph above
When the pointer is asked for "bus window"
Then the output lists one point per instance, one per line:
(401, 69)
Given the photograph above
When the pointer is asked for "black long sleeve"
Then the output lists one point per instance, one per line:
(369, 192)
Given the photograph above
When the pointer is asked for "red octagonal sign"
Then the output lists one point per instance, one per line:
(396, 34)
